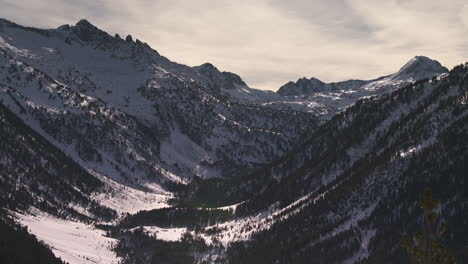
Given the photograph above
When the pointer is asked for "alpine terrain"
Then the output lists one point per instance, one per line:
(112, 153)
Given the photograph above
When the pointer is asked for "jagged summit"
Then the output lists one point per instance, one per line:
(305, 87)
(81, 24)
(88, 32)
(302, 86)
(85, 32)
(86, 27)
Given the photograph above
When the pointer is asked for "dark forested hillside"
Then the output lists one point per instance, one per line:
(362, 174)
(348, 194)
(34, 172)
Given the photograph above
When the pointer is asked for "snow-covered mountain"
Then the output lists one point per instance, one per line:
(347, 194)
(125, 111)
(417, 68)
(328, 99)
(102, 135)
(128, 121)
(324, 100)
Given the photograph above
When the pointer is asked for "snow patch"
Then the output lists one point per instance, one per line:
(166, 234)
(125, 199)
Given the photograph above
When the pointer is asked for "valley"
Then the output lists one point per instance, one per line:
(112, 153)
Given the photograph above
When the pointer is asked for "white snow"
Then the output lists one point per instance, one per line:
(230, 207)
(73, 242)
(409, 151)
(125, 199)
(166, 234)
(181, 152)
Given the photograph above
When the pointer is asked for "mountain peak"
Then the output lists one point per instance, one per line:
(312, 79)
(83, 23)
(90, 34)
(207, 65)
(87, 31)
(206, 69)
(420, 67)
(226, 80)
(302, 86)
(420, 61)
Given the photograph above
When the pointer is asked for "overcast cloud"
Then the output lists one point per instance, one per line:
(271, 42)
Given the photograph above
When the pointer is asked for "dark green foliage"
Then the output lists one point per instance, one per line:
(210, 193)
(138, 248)
(177, 217)
(426, 247)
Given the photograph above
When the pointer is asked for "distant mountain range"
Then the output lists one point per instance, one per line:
(96, 128)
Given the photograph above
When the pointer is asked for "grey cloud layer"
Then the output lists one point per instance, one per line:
(270, 42)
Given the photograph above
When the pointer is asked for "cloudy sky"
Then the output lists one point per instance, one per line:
(270, 42)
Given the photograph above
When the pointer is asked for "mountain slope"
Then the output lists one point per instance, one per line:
(348, 194)
(355, 189)
(140, 114)
(35, 173)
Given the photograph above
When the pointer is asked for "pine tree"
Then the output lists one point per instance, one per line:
(426, 247)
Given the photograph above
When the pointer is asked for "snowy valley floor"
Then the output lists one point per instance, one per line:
(73, 242)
